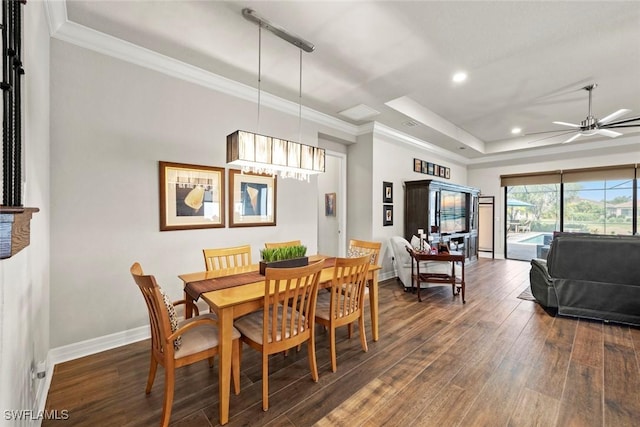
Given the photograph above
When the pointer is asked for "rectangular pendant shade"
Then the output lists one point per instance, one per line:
(247, 149)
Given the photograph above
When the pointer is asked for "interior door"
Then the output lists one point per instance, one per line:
(332, 205)
(486, 234)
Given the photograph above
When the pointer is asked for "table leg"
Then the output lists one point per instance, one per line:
(373, 305)
(188, 309)
(418, 279)
(462, 287)
(225, 329)
(453, 277)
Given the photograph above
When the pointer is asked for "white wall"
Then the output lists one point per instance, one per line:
(487, 178)
(112, 123)
(24, 278)
(359, 173)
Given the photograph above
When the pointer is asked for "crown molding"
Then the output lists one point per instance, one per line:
(62, 29)
(557, 151)
(379, 129)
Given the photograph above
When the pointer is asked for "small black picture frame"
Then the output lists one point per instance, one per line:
(425, 165)
(430, 168)
(387, 215)
(417, 165)
(387, 192)
(442, 171)
(447, 173)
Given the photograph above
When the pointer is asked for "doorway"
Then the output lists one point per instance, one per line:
(332, 205)
(486, 232)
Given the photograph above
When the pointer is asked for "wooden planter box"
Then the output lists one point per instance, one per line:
(287, 263)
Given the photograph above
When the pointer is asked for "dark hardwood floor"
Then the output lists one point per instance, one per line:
(495, 361)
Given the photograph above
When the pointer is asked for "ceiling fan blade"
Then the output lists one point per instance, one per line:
(552, 136)
(611, 117)
(609, 133)
(573, 138)
(573, 125)
(620, 126)
(547, 131)
(619, 122)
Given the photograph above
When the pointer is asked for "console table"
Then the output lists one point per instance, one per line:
(456, 282)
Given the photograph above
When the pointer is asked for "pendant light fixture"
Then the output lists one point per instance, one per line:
(257, 153)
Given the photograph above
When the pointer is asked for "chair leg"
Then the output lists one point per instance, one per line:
(265, 381)
(363, 336)
(332, 348)
(350, 330)
(311, 350)
(235, 365)
(169, 383)
(211, 359)
(153, 367)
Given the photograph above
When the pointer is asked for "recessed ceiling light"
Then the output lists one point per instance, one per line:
(459, 77)
(516, 131)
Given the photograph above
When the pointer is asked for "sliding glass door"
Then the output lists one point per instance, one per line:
(599, 207)
(596, 201)
(532, 215)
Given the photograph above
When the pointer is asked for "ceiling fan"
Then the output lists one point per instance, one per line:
(592, 126)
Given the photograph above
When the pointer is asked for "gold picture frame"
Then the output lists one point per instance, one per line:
(252, 199)
(191, 196)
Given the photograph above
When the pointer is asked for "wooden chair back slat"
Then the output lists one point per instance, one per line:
(222, 258)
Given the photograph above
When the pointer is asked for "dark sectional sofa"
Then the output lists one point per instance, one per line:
(590, 276)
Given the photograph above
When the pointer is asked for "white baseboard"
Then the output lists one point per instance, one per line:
(96, 345)
(85, 348)
(488, 255)
(387, 275)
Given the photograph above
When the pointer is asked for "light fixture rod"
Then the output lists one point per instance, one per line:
(300, 43)
(590, 88)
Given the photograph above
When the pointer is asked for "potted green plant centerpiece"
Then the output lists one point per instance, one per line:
(283, 257)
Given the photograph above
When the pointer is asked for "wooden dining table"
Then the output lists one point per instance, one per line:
(240, 298)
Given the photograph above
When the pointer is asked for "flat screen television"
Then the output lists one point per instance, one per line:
(453, 212)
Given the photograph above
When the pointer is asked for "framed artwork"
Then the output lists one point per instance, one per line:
(387, 192)
(425, 166)
(252, 199)
(417, 165)
(191, 196)
(442, 171)
(387, 215)
(330, 204)
(447, 173)
(430, 168)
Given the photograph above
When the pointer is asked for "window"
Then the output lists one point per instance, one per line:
(599, 207)
(595, 200)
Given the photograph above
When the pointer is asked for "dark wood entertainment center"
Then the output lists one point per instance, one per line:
(446, 212)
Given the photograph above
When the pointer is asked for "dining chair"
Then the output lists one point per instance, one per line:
(216, 259)
(282, 244)
(361, 247)
(287, 318)
(178, 343)
(344, 304)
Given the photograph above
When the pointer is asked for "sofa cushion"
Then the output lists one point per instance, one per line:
(609, 259)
